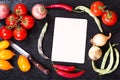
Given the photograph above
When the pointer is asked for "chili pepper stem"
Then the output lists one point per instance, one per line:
(78, 11)
(52, 64)
(77, 69)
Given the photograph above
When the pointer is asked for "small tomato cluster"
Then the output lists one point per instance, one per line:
(109, 17)
(17, 23)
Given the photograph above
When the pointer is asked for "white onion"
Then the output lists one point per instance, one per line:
(4, 11)
(95, 53)
(39, 11)
(100, 39)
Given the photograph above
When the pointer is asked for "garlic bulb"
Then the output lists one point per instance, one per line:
(100, 39)
(95, 53)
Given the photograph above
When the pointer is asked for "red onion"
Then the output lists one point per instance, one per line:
(39, 11)
(4, 11)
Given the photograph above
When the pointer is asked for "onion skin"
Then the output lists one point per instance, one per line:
(100, 39)
(95, 53)
(4, 11)
(39, 11)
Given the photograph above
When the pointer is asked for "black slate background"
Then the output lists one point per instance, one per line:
(30, 44)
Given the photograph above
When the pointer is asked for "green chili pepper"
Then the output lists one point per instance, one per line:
(116, 63)
(40, 41)
(100, 71)
(108, 69)
(87, 10)
(111, 58)
(106, 57)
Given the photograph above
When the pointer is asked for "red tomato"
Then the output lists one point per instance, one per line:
(97, 8)
(20, 33)
(20, 9)
(109, 18)
(11, 20)
(5, 33)
(27, 22)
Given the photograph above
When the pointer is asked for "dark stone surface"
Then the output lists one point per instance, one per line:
(30, 44)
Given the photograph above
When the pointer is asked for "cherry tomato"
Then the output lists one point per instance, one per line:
(20, 9)
(109, 18)
(4, 44)
(5, 65)
(6, 54)
(20, 33)
(5, 33)
(11, 20)
(27, 22)
(97, 8)
(23, 63)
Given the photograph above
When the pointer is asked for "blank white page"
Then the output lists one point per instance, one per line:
(69, 40)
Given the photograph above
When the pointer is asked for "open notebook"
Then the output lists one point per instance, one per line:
(69, 40)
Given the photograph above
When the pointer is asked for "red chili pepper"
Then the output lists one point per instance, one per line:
(64, 68)
(69, 75)
(63, 6)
